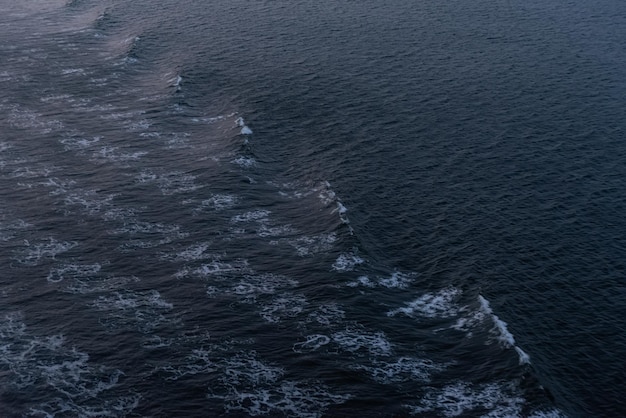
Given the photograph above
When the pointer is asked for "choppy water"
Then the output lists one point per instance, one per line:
(304, 209)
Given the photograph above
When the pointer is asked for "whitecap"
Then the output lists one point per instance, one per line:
(441, 304)
(500, 330)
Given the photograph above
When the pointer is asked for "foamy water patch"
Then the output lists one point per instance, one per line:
(252, 286)
(147, 234)
(286, 305)
(311, 343)
(80, 143)
(313, 244)
(169, 183)
(63, 379)
(347, 262)
(245, 162)
(28, 119)
(140, 311)
(194, 252)
(99, 283)
(9, 229)
(359, 341)
(441, 304)
(216, 269)
(463, 399)
(73, 271)
(116, 155)
(397, 280)
(297, 399)
(245, 130)
(404, 369)
(260, 216)
(89, 201)
(34, 253)
(327, 315)
(254, 387)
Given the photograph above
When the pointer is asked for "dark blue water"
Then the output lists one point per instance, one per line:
(303, 209)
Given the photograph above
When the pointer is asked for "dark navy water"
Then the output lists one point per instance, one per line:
(376, 208)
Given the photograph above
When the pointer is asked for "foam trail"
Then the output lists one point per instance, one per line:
(504, 336)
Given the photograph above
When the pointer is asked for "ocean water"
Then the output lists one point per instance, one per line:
(294, 208)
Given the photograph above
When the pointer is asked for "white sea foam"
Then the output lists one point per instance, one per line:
(359, 341)
(116, 155)
(176, 82)
(396, 280)
(362, 281)
(73, 71)
(245, 369)
(440, 304)
(153, 233)
(286, 305)
(245, 130)
(198, 362)
(251, 286)
(311, 245)
(245, 162)
(142, 311)
(68, 383)
(463, 399)
(10, 229)
(73, 271)
(90, 201)
(169, 183)
(552, 413)
(347, 262)
(255, 215)
(79, 143)
(99, 283)
(28, 119)
(311, 343)
(275, 231)
(327, 315)
(219, 202)
(193, 252)
(404, 369)
(34, 253)
(218, 268)
(295, 399)
(500, 330)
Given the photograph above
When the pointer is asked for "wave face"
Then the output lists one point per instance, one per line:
(312, 209)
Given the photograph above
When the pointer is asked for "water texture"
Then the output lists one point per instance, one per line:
(367, 208)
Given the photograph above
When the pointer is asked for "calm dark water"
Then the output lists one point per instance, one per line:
(305, 209)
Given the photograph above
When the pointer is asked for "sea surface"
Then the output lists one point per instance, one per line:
(298, 208)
